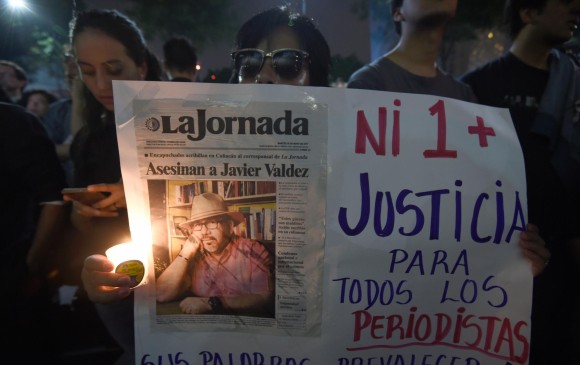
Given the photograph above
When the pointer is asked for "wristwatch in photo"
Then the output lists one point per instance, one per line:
(216, 304)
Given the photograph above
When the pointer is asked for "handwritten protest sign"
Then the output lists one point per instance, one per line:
(392, 221)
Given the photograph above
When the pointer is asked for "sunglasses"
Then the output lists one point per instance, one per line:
(287, 62)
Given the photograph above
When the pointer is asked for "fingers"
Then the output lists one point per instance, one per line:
(105, 188)
(185, 308)
(103, 285)
(110, 203)
(532, 228)
(536, 248)
(190, 246)
(98, 263)
(89, 211)
(533, 248)
(192, 305)
(107, 294)
(537, 263)
(115, 200)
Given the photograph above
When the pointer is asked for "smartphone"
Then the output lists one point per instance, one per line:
(84, 196)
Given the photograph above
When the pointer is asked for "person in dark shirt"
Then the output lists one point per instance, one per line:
(411, 66)
(540, 86)
(31, 221)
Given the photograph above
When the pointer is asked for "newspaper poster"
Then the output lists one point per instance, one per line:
(301, 225)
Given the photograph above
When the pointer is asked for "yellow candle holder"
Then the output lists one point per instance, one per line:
(129, 258)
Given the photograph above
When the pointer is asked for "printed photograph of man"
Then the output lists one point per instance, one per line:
(216, 271)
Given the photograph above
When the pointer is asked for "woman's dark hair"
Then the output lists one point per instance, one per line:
(18, 70)
(179, 53)
(99, 126)
(311, 40)
(119, 27)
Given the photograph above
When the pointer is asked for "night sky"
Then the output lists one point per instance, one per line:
(345, 32)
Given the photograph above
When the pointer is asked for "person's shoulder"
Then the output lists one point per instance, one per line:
(58, 107)
(17, 123)
(61, 103)
(449, 86)
(486, 71)
(16, 116)
(464, 90)
(11, 108)
(367, 77)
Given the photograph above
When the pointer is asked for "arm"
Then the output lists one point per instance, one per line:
(175, 280)
(51, 221)
(103, 285)
(250, 303)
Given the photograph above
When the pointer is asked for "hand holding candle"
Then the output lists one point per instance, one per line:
(102, 283)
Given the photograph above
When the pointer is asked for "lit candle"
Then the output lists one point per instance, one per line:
(130, 259)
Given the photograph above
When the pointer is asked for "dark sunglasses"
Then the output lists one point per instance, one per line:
(287, 62)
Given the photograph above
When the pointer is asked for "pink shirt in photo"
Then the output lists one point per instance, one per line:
(245, 268)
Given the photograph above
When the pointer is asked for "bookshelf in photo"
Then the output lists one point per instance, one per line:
(256, 200)
(232, 190)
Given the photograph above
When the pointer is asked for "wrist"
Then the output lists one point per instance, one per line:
(183, 257)
(215, 304)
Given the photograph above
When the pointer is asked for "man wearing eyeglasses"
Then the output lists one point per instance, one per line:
(216, 271)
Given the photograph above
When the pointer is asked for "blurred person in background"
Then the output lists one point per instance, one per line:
(31, 221)
(541, 87)
(37, 101)
(180, 59)
(411, 66)
(58, 117)
(13, 80)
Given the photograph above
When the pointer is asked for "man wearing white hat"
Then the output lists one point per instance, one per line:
(217, 271)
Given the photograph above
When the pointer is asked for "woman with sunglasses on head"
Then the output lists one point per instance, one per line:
(278, 46)
(107, 46)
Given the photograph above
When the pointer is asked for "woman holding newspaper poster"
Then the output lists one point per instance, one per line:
(276, 46)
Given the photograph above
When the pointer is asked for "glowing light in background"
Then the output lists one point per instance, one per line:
(17, 4)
